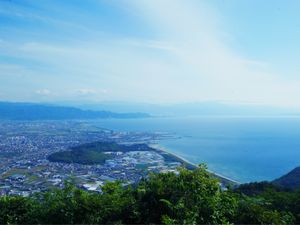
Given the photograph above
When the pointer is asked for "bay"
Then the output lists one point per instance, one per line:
(242, 148)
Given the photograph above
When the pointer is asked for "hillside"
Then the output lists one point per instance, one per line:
(93, 153)
(82, 157)
(290, 180)
(191, 197)
(32, 111)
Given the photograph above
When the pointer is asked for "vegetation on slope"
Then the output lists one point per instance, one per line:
(192, 197)
(290, 180)
(86, 157)
(94, 153)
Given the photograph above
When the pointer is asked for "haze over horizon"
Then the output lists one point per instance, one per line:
(152, 51)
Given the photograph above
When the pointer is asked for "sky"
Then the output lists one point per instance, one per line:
(151, 51)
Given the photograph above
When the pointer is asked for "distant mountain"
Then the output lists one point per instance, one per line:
(190, 109)
(32, 111)
(290, 180)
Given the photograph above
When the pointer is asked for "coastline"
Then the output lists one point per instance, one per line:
(224, 179)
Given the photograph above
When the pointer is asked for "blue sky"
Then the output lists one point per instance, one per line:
(152, 51)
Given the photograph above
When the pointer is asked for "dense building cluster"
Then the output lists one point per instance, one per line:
(25, 146)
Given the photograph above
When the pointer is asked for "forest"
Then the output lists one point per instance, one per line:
(190, 197)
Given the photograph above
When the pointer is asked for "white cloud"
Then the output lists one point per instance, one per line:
(43, 92)
(212, 69)
(89, 91)
(188, 60)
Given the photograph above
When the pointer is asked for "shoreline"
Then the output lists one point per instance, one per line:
(217, 175)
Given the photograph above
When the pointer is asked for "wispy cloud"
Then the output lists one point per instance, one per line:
(188, 57)
(211, 67)
(89, 91)
(43, 92)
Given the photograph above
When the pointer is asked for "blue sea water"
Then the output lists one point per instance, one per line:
(242, 148)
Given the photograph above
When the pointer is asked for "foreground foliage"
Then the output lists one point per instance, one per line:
(192, 197)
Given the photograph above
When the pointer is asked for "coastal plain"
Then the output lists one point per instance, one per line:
(38, 156)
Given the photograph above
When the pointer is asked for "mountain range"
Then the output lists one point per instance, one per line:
(34, 111)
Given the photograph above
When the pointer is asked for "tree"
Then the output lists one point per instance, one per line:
(192, 197)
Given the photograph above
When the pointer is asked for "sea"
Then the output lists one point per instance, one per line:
(245, 149)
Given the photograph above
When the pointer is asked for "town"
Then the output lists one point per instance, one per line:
(25, 147)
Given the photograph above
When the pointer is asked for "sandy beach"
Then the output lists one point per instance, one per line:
(220, 176)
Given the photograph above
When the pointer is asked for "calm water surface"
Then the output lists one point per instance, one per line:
(244, 149)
